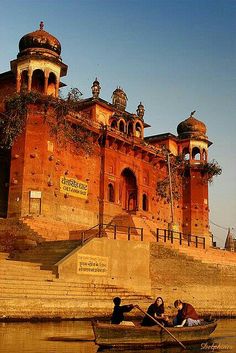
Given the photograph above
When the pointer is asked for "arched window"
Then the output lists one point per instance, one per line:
(122, 126)
(24, 80)
(186, 154)
(52, 84)
(113, 124)
(196, 153)
(145, 202)
(138, 130)
(111, 193)
(38, 81)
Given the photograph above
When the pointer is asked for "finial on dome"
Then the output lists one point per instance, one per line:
(192, 128)
(193, 112)
(41, 25)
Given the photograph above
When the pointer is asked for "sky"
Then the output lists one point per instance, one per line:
(175, 56)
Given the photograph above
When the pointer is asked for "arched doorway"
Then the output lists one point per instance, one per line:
(128, 190)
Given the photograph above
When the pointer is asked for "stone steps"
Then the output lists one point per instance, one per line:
(47, 291)
(62, 307)
(51, 229)
(27, 291)
(191, 270)
(47, 253)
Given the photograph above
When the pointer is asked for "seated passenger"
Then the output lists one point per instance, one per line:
(118, 312)
(187, 315)
(156, 310)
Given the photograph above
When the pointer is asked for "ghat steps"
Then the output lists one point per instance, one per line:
(28, 291)
(212, 256)
(48, 253)
(51, 229)
(184, 272)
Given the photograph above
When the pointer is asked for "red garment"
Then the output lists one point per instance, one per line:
(188, 312)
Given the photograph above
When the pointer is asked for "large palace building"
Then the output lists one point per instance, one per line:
(87, 161)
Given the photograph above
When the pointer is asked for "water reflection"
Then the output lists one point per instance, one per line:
(68, 336)
(36, 337)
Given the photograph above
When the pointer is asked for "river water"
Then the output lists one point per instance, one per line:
(63, 337)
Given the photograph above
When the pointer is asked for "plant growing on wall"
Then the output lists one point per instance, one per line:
(58, 114)
(180, 171)
(176, 169)
(13, 120)
(210, 170)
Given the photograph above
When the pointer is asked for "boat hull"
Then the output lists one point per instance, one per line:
(108, 335)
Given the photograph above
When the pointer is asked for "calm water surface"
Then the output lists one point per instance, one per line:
(61, 338)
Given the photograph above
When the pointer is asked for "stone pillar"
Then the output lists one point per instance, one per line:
(46, 83)
(30, 74)
(57, 86)
(18, 81)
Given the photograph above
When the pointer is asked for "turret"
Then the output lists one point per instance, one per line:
(38, 66)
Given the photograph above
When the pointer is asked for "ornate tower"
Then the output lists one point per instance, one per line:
(140, 110)
(38, 66)
(96, 88)
(193, 145)
(119, 99)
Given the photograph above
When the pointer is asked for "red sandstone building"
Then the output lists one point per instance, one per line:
(159, 179)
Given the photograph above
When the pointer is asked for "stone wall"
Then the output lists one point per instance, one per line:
(210, 287)
(118, 262)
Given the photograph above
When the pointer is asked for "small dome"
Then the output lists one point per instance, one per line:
(119, 99)
(140, 111)
(191, 128)
(39, 41)
(96, 88)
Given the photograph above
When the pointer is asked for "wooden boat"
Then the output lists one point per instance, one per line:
(122, 336)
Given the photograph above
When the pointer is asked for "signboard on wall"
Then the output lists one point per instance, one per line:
(35, 194)
(74, 187)
(92, 265)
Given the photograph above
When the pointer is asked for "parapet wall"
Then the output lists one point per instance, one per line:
(118, 262)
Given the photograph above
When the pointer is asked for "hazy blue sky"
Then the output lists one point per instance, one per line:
(173, 55)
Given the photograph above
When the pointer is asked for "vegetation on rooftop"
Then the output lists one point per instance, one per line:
(57, 113)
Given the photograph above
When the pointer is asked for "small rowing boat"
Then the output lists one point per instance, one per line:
(122, 336)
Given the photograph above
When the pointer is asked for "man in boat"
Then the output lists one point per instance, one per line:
(118, 312)
(187, 315)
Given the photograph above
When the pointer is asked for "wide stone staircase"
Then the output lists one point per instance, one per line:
(214, 256)
(26, 291)
(48, 253)
(51, 229)
(209, 285)
(29, 286)
(15, 234)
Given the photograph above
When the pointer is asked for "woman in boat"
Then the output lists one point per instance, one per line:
(187, 315)
(118, 312)
(156, 310)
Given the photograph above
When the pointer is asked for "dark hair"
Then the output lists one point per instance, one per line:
(177, 302)
(117, 300)
(162, 304)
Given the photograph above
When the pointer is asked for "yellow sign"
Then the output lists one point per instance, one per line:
(73, 187)
(92, 265)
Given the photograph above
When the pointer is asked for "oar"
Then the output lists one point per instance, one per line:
(163, 327)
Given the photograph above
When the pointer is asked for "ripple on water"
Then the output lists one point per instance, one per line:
(77, 336)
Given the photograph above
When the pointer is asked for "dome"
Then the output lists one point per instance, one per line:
(119, 99)
(40, 42)
(191, 128)
(140, 111)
